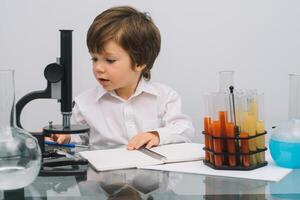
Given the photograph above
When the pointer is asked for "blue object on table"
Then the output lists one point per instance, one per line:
(70, 145)
(285, 144)
(285, 154)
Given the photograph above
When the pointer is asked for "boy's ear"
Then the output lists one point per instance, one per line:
(140, 68)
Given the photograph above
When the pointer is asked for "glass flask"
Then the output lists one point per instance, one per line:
(20, 155)
(285, 140)
(225, 80)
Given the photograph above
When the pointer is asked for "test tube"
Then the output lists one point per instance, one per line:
(249, 120)
(207, 126)
(223, 101)
(230, 131)
(245, 159)
(260, 127)
(225, 80)
(241, 106)
(219, 127)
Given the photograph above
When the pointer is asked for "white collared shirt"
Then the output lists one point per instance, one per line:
(113, 120)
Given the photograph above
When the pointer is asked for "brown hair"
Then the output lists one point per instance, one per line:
(134, 31)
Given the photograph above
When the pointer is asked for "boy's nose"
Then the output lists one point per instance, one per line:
(99, 68)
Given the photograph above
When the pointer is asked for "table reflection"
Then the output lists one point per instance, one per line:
(131, 184)
(217, 188)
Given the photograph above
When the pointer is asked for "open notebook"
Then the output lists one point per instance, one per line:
(121, 158)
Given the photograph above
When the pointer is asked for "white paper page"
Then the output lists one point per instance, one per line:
(271, 172)
(181, 152)
(120, 158)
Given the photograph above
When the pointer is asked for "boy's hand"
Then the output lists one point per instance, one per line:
(59, 138)
(149, 139)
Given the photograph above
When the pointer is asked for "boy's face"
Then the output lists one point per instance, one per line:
(112, 69)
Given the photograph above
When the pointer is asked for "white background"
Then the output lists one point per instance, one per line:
(258, 39)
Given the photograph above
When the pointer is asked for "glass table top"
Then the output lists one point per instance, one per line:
(147, 184)
(134, 184)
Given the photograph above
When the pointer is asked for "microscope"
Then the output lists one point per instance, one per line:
(59, 86)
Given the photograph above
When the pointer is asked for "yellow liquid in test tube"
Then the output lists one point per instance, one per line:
(253, 109)
(250, 128)
(260, 128)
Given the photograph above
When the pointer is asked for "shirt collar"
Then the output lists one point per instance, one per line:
(100, 92)
(143, 86)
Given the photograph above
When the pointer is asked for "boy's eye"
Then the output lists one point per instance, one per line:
(109, 60)
(94, 59)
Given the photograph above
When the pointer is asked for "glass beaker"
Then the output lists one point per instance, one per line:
(20, 155)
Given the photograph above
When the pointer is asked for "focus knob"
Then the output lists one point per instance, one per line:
(53, 72)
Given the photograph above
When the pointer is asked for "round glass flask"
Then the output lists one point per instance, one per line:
(285, 140)
(20, 155)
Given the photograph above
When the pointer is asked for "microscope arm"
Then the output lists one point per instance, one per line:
(53, 73)
(41, 94)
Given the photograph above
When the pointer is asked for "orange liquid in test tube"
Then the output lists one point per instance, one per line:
(207, 121)
(245, 149)
(223, 121)
(216, 131)
(211, 144)
(231, 144)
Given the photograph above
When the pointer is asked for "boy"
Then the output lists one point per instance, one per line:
(127, 108)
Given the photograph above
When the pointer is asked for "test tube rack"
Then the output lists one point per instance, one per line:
(242, 158)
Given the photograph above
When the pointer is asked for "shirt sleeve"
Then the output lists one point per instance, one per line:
(77, 118)
(177, 127)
